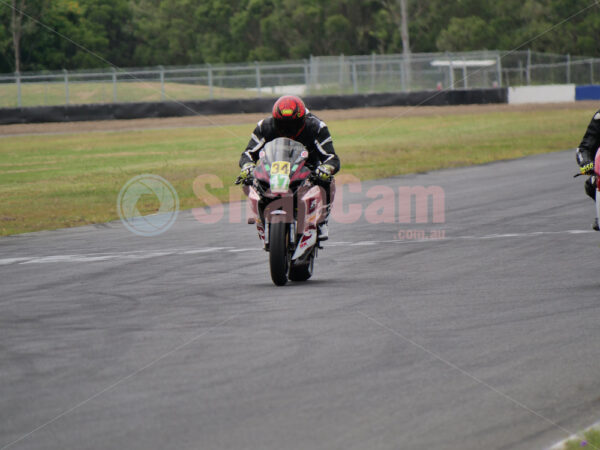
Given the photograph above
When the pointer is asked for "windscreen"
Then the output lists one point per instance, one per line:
(283, 149)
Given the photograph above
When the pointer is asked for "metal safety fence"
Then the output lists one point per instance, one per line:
(322, 75)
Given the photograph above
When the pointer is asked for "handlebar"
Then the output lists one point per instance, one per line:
(246, 181)
(583, 174)
(313, 178)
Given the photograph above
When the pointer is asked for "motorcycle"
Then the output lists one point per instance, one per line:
(287, 202)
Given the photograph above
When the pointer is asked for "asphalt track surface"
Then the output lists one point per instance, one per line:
(485, 339)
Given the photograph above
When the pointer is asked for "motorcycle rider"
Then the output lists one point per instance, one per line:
(586, 155)
(291, 119)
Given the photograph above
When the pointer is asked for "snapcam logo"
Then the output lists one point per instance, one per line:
(157, 191)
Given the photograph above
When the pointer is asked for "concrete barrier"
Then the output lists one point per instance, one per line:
(553, 93)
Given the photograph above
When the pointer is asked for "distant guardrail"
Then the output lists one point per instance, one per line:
(322, 75)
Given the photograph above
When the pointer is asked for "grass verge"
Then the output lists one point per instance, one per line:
(49, 182)
(590, 439)
(41, 94)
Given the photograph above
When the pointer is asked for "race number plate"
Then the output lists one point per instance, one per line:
(280, 177)
(280, 168)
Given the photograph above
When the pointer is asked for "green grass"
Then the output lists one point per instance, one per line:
(49, 182)
(590, 440)
(39, 94)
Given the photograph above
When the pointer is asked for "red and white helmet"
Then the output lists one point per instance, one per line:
(289, 113)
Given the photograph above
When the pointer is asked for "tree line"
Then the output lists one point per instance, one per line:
(80, 34)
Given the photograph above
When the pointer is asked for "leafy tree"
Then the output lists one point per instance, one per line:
(153, 32)
(112, 20)
(468, 33)
(338, 35)
(6, 44)
(44, 49)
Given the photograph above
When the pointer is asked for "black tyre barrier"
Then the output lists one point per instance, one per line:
(116, 111)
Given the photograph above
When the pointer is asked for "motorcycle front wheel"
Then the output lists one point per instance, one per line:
(278, 252)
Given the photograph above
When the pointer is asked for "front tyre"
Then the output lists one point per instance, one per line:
(278, 252)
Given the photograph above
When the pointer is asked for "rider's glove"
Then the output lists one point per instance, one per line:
(324, 172)
(247, 170)
(587, 169)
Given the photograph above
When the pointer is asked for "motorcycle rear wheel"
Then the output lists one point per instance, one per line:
(279, 257)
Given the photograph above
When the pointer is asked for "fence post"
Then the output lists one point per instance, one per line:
(373, 72)
(163, 94)
(19, 97)
(451, 71)
(341, 73)
(568, 68)
(66, 86)
(464, 72)
(258, 85)
(528, 73)
(354, 76)
(114, 80)
(210, 82)
(520, 72)
(499, 70)
(314, 72)
(401, 66)
(306, 78)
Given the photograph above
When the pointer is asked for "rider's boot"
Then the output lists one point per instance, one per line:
(323, 232)
(590, 187)
(590, 190)
(323, 228)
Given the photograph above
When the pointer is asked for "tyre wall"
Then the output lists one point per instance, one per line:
(117, 111)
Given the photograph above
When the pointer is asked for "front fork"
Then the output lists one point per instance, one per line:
(311, 205)
(267, 233)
